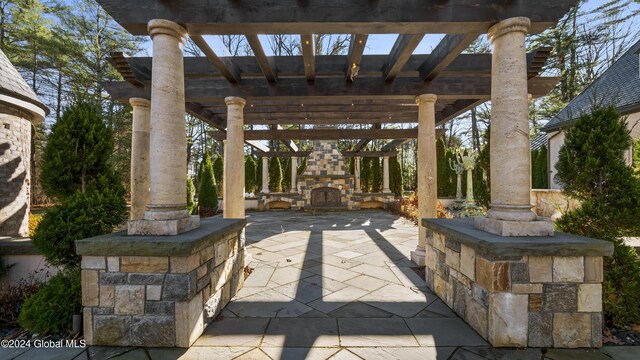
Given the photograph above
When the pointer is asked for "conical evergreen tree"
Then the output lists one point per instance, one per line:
(275, 175)
(259, 175)
(208, 194)
(592, 168)
(218, 173)
(376, 175)
(286, 175)
(191, 190)
(78, 150)
(395, 176)
(365, 174)
(250, 174)
(442, 166)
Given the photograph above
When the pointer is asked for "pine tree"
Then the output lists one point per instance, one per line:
(365, 174)
(250, 174)
(77, 171)
(218, 174)
(191, 190)
(207, 194)
(275, 175)
(286, 175)
(591, 168)
(259, 175)
(395, 176)
(376, 175)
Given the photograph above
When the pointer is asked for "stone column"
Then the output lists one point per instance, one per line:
(294, 173)
(167, 209)
(427, 168)
(356, 169)
(265, 175)
(385, 174)
(139, 157)
(234, 160)
(510, 213)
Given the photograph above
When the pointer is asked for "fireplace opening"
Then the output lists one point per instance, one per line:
(325, 197)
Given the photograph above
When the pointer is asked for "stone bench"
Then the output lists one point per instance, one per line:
(519, 291)
(159, 290)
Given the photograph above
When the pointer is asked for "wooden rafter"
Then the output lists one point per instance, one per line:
(354, 57)
(400, 54)
(268, 69)
(444, 53)
(323, 134)
(363, 142)
(226, 66)
(308, 54)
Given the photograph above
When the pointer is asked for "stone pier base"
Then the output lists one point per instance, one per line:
(519, 291)
(159, 290)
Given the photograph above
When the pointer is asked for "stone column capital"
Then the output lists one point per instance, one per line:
(166, 27)
(141, 102)
(514, 24)
(428, 98)
(386, 157)
(234, 100)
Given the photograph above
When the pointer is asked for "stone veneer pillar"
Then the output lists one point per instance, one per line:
(356, 167)
(427, 167)
(139, 157)
(510, 213)
(167, 209)
(265, 175)
(234, 159)
(294, 173)
(385, 174)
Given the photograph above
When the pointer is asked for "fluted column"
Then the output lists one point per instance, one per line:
(294, 173)
(139, 157)
(510, 142)
(234, 159)
(167, 208)
(385, 175)
(265, 175)
(356, 170)
(427, 170)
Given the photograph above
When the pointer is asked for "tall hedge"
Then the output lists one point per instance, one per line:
(395, 176)
(208, 193)
(259, 175)
(591, 168)
(218, 174)
(286, 175)
(275, 175)
(442, 167)
(365, 174)
(376, 175)
(250, 184)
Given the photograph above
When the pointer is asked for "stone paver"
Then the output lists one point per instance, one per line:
(332, 286)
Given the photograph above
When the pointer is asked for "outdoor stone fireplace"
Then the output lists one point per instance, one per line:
(325, 184)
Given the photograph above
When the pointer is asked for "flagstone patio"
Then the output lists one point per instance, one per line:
(333, 285)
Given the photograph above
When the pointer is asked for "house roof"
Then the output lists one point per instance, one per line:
(619, 85)
(538, 141)
(15, 91)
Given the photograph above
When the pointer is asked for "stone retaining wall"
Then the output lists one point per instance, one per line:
(137, 296)
(515, 293)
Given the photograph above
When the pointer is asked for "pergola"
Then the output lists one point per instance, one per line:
(400, 87)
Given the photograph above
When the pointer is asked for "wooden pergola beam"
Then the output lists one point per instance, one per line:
(269, 71)
(301, 154)
(354, 57)
(444, 53)
(363, 142)
(323, 134)
(400, 53)
(226, 66)
(332, 16)
(308, 55)
(295, 89)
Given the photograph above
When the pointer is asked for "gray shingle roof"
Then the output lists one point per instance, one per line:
(12, 84)
(538, 141)
(618, 85)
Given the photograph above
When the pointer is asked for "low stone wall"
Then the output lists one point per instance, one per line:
(159, 290)
(552, 203)
(519, 291)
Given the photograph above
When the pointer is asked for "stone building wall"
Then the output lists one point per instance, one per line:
(15, 172)
(164, 301)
